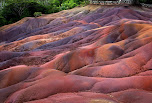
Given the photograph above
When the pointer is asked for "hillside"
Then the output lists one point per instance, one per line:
(91, 54)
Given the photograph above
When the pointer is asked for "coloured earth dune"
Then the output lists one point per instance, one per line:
(91, 54)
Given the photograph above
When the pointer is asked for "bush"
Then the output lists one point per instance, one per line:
(37, 14)
(55, 2)
(64, 6)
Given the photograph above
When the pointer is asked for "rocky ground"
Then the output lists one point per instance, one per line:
(91, 54)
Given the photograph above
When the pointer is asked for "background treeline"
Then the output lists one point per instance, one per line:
(146, 1)
(14, 10)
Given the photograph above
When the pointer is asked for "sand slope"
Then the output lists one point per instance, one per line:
(91, 54)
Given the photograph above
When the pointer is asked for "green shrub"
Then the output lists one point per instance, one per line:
(55, 2)
(64, 6)
(72, 4)
(37, 14)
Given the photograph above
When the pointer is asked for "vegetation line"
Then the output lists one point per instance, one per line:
(14, 10)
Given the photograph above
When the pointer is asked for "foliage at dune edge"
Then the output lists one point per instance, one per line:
(91, 54)
(14, 10)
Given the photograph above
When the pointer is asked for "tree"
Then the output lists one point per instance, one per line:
(20, 8)
(136, 2)
(16, 11)
(148, 1)
(60, 2)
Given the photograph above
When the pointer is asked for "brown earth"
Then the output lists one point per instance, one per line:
(91, 54)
